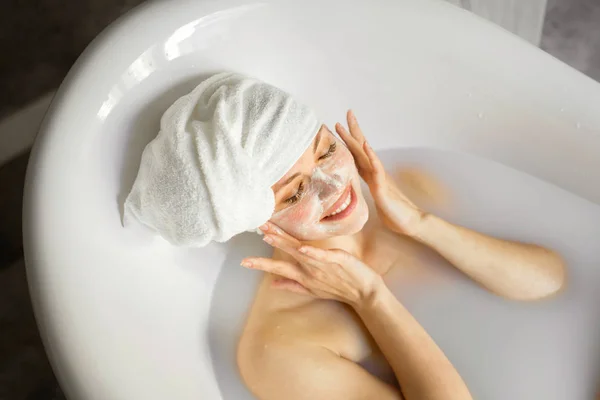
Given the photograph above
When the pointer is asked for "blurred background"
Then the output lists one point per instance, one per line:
(41, 39)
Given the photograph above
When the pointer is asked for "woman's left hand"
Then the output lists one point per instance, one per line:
(396, 211)
(328, 274)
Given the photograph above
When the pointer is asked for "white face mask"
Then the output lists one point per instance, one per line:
(306, 219)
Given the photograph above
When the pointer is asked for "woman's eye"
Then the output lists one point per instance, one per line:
(298, 194)
(330, 151)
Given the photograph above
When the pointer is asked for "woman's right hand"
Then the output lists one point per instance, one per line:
(328, 274)
(396, 211)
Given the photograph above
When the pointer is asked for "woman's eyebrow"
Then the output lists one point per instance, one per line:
(291, 178)
(287, 182)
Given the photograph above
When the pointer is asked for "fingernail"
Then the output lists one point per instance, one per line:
(303, 250)
(264, 227)
(246, 264)
(268, 239)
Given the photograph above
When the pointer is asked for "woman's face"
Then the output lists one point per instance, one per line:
(320, 196)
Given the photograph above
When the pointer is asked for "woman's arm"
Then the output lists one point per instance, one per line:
(511, 269)
(303, 371)
(421, 367)
(419, 364)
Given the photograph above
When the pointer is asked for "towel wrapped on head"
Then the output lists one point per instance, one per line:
(207, 176)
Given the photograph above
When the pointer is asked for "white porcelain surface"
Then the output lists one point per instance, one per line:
(126, 316)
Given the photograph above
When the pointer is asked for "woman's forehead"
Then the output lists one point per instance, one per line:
(306, 157)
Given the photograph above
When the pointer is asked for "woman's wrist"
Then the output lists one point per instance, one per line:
(372, 296)
(416, 224)
(429, 229)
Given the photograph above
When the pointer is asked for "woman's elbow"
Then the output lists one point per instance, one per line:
(549, 278)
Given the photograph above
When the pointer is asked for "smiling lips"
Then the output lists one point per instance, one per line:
(343, 206)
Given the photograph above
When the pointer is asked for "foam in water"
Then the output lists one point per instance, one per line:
(503, 349)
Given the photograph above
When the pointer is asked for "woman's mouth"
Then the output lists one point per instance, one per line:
(342, 207)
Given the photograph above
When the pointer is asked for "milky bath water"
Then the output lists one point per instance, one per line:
(503, 349)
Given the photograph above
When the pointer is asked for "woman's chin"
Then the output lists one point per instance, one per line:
(356, 221)
(354, 225)
(360, 217)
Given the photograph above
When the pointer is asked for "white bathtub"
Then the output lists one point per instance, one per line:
(125, 316)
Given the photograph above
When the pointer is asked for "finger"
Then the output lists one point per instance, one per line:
(361, 159)
(284, 241)
(290, 285)
(377, 168)
(277, 267)
(344, 134)
(352, 144)
(281, 242)
(276, 230)
(335, 256)
(355, 130)
(288, 246)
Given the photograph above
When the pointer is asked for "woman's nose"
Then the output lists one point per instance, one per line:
(326, 185)
(326, 189)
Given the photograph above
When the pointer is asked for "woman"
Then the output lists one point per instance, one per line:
(235, 153)
(334, 312)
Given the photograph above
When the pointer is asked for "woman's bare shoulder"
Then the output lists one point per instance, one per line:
(278, 316)
(318, 343)
(283, 320)
(272, 327)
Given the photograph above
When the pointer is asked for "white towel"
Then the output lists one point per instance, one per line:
(207, 176)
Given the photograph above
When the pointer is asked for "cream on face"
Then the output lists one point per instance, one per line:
(331, 202)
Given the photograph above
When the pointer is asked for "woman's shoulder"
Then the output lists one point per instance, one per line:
(271, 331)
(280, 320)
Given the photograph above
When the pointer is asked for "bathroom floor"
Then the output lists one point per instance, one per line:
(50, 38)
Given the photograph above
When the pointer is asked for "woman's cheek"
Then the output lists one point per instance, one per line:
(298, 221)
